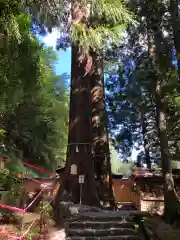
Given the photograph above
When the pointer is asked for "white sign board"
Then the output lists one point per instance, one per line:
(81, 178)
(73, 169)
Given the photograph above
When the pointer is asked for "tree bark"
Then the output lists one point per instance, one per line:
(162, 64)
(99, 128)
(171, 199)
(163, 139)
(158, 52)
(145, 140)
(175, 18)
(79, 150)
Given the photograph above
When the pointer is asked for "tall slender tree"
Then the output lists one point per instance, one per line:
(157, 60)
(175, 22)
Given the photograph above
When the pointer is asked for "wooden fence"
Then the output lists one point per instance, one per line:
(123, 191)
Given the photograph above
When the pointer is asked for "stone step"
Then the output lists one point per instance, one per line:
(117, 237)
(105, 215)
(129, 207)
(101, 232)
(99, 225)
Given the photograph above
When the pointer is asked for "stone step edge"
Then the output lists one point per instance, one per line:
(95, 218)
(112, 214)
(97, 227)
(82, 222)
(117, 237)
(101, 232)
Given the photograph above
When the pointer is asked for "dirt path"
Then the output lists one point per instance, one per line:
(50, 231)
(56, 234)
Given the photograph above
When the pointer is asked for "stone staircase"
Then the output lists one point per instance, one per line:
(105, 225)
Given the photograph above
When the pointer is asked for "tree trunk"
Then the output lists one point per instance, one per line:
(145, 140)
(175, 18)
(171, 199)
(158, 56)
(79, 150)
(80, 134)
(100, 133)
